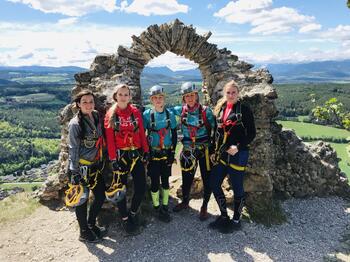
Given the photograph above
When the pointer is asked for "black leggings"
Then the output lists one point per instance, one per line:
(99, 198)
(187, 179)
(139, 180)
(159, 169)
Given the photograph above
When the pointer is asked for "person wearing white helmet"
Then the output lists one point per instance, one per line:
(160, 124)
(86, 162)
(197, 124)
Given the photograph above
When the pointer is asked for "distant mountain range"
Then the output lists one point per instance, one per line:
(43, 69)
(326, 71)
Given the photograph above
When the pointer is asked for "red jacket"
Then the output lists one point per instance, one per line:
(126, 136)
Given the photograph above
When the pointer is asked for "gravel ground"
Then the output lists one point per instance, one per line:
(314, 230)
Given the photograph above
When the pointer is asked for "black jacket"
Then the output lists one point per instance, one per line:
(241, 134)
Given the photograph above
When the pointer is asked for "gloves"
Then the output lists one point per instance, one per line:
(171, 157)
(75, 177)
(115, 165)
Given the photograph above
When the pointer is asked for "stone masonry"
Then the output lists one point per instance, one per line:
(279, 161)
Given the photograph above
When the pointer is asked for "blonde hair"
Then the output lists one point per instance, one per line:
(112, 109)
(223, 99)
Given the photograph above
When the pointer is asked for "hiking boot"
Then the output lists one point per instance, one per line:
(215, 224)
(236, 224)
(223, 224)
(100, 232)
(88, 236)
(180, 207)
(130, 227)
(226, 226)
(203, 214)
(164, 214)
(138, 219)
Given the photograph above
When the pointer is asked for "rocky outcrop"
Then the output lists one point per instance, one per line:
(279, 160)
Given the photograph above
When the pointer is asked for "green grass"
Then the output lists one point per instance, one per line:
(28, 186)
(44, 79)
(39, 97)
(342, 153)
(306, 129)
(17, 207)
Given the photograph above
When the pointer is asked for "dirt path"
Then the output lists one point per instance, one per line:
(315, 229)
(310, 233)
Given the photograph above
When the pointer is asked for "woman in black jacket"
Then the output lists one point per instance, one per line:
(235, 130)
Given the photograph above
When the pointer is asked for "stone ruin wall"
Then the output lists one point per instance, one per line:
(279, 161)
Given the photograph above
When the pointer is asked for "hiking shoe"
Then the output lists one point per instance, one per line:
(203, 214)
(138, 219)
(100, 232)
(88, 236)
(223, 224)
(226, 226)
(130, 227)
(180, 207)
(164, 215)
(236, 224)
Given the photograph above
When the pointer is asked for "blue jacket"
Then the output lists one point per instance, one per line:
(194, 125)
(160, 124)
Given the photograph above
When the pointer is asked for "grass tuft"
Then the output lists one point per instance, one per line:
(17, 207)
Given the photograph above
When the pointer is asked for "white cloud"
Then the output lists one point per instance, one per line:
(309, 28)
(173, 61)
(67, 21)
(154, 7)
(311, 55)
(69, 7)
(70, 44)
(210, 6)
(26, 56)
(263, 18)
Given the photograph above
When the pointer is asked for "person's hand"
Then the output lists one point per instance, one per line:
(75, 177)
(145, 157)
(213, 158)
(232, 150)
(171, 157)
(115, 165)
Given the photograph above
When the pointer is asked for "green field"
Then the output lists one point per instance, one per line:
(28, 187)
(317, 131)
(54, 78)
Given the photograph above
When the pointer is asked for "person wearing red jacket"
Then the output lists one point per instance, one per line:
(128, 151)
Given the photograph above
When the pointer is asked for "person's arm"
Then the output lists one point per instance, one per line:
(249, 124)
(173, 126)
(110, 138)
(212, 123)
(176, 110)
(142, 134)
(74, 145)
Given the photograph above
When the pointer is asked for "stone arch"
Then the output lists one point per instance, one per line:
(279, 162)
(127, 64)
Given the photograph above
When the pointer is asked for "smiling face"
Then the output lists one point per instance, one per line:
(158, 101)
(191, 99)
(231, 93)
(123, 97)
(87, 104)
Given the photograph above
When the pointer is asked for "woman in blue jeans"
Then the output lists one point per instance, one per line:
(235, 130)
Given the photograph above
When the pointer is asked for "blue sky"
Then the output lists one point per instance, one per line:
(68, 32)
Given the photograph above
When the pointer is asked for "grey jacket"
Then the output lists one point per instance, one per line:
(82, 148)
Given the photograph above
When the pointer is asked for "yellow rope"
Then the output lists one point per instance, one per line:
(236, 167)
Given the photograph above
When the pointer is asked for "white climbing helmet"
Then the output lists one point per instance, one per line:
(188, 87)
(156, 90)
